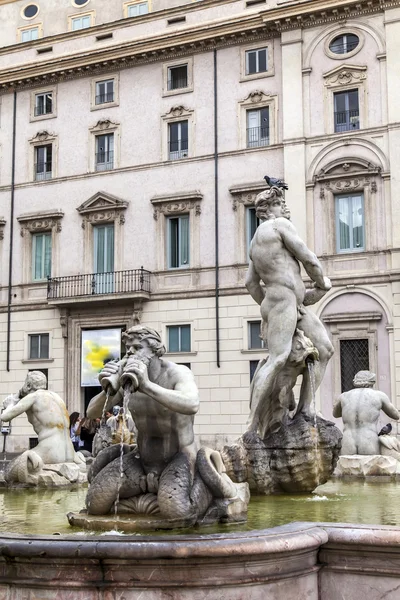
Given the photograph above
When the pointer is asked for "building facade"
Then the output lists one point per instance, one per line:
(134, 138)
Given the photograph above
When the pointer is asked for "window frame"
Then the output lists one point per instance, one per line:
(188, 62)
(37, 92)
(180, 218)
(347, 110)
(23, 16)
(109, 164)
(34, 238)
(268, 45)
(95, 81)
(249, 210)
(39, 336)
(260, 127)
(71, 18)
(249, 336)
(254, 101)
(352, 249)
(21, 30)
(179, 327)
(343, 30)
(103, 127)
(182, 152)
(356, 78)
(37, 148)
(128, 5)
(257, 52)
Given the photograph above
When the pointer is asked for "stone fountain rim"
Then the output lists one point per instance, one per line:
(289, 538)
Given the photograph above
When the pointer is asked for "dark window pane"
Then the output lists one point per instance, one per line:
(44, 345)
(33, 346)
(353, 100)
(255, 340)
(30, 11)
(185, 338)
(174, 242)
(252, 62)
(253, 367)
(173, 339)
(262, 60)
(354, 357)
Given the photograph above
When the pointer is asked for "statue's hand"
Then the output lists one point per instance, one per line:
(139, 368)
(110, 369)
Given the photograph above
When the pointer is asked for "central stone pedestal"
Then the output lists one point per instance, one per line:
(361, 466)
(298, 458)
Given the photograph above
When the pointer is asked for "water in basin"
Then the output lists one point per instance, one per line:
(374, 502)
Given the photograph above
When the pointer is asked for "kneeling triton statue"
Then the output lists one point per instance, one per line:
(165, 473)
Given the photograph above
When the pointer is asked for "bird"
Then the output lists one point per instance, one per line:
(271, 181)
(385, 430)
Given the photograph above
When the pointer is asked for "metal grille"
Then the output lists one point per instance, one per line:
(354, 357)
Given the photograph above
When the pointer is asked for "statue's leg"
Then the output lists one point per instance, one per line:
(281, 325)
(174, 489)
(312, 327)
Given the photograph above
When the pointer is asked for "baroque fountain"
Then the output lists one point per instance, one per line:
(166, 482)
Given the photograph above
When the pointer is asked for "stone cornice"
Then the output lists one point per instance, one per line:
(189, 40)
(322, 12)
(245, 193)
(169, 45)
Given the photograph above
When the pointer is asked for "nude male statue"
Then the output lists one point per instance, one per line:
(360, 409)
(163, 405)
(276, 252)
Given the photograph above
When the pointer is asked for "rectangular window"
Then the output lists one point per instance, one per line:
(105, 91)
(253, 368)
(350, 223)
(140, 8)
(43, 104)
(41, 256)
(38, 345)
(81, 22)
(178, 242)
(43, 162)
(103, 241)
(255, 341)
(177, 77)
(27, 35)
(178, 139)
(347, 111)
(354, 357)
(256, 61)
(104, 152)
(179, 338)
(252, 223)
(257, 128)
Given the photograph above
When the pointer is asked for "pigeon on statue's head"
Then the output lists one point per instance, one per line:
(386, 430)
(272, 181)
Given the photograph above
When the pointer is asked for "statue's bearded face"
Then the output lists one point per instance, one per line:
(135, 346)
(278, 208)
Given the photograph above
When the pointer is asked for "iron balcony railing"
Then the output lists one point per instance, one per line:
(257, 136)
(43, 170)
(346, 120)
(176, 83)
(178, 149)
(95, 284)
(104, 98)
(104, 160)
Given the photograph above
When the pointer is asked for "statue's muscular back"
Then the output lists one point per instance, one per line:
(274, 263)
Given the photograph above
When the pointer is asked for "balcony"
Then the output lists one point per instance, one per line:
(347, 120)
(43, 171)
(104, 161)
(257, 137)
(178, 149)
(104, 98)
(133, 283)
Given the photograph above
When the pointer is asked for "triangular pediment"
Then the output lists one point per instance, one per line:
(102, 201)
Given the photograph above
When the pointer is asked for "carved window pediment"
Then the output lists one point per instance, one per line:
(245, 193)
(42, 136)
(2, 225)
(178, 111)
(256, 96)
(103, 207)
(104, 125)
(348, 176)
(345, 75)
(177, 203)
(41, 221)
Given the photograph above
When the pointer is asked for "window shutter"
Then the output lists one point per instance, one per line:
(184, 221)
